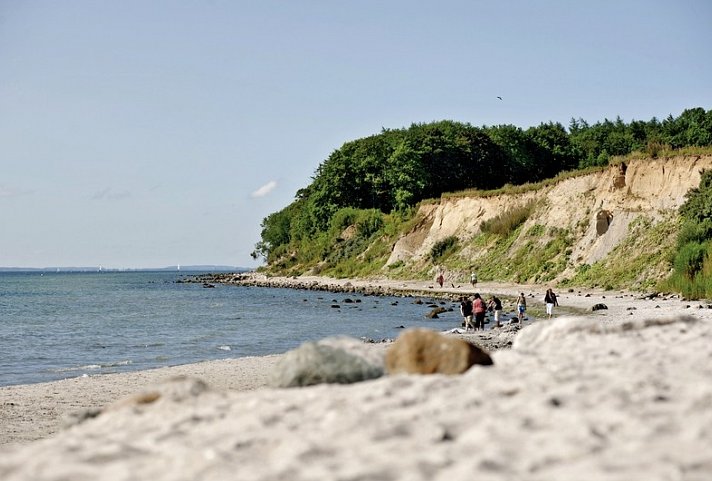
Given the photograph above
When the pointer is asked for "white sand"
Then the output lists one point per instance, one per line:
(618, 395)
(34, 411)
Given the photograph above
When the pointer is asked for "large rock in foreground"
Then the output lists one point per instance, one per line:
(340, 360)
(422, 351)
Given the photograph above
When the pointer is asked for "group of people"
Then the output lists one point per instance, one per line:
(474, 310)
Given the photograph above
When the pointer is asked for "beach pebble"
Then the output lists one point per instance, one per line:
(341, 360)
(422, 351)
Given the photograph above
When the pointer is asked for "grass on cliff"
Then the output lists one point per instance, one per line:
(693, 287)
(509, 189)
(504, 223)
(641, 261)
(538, 254)
(358, 244)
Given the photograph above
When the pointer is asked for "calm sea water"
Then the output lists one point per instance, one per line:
(60, 325)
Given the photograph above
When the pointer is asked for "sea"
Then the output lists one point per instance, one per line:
(68, 324)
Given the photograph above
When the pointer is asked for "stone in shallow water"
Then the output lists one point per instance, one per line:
(422, 351)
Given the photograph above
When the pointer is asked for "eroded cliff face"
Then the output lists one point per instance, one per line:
(596, 210)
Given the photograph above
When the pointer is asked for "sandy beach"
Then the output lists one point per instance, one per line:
(621, 393)
(36, 411)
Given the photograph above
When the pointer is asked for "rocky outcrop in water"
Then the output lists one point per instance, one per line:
(253, 280)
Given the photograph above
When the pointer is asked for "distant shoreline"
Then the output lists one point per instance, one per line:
(194, 268)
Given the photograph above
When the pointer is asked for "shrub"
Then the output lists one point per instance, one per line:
(689, 259)
(369, 222)
(343, 218)
(506, 222)
(442, 248)
(692, 231)
(692, 275)
(654, 148)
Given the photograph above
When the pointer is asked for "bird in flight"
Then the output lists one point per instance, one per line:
(500, 98)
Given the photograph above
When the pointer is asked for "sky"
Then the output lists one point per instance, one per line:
(141, 133)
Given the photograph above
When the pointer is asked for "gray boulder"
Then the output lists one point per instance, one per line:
(336, 360)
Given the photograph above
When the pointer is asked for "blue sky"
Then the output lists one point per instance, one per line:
(141, 133)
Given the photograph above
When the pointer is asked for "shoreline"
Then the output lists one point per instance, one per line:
(36, 411)
(578, 300)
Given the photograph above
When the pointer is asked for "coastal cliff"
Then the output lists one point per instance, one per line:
(611, 228)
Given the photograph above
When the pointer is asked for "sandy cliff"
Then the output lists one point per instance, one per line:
(596, 211)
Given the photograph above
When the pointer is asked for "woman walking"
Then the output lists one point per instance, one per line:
(551, 301)
(495, 305)
(521, 307)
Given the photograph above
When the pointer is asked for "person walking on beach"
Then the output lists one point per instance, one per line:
(495, 305)
(521, 307)
(466, 311)
(551, 301)
(473, 278)
(479, 309)
(441, 279)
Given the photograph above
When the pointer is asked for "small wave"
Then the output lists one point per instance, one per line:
(93, 367)
(88, 367)
(117, 363)
(225, 348)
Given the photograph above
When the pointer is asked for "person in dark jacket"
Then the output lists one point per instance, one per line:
(466, 311)
(495, 305)
(550, 301)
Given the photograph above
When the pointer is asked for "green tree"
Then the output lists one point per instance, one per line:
(519, 152)
(554, 150)
(698, 201)
(692, 273)
(692, 127)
